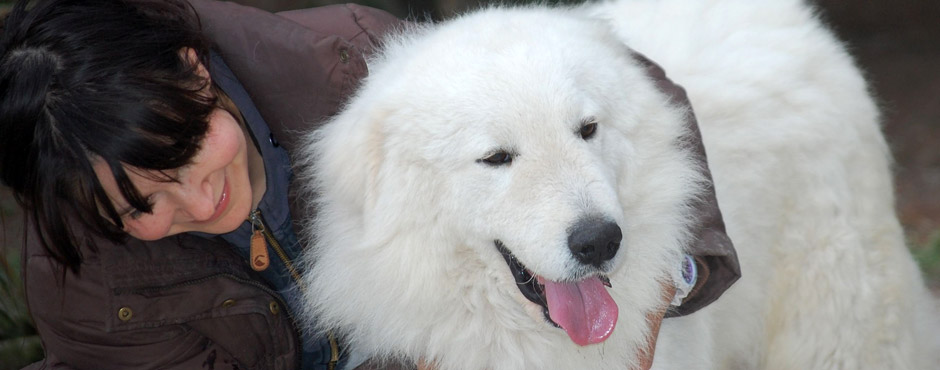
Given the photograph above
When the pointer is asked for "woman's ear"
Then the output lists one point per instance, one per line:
(190, 56)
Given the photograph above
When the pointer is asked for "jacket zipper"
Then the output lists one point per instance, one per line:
(259, 227)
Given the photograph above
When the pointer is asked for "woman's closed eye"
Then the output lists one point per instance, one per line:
(134, 213)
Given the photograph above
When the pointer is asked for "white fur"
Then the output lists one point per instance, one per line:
(403, 263)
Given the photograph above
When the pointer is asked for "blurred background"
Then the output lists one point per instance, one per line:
(897, 44)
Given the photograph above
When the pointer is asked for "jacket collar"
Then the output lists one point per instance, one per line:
(712, 246)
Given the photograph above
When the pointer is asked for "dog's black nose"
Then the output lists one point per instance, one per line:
(594, 241)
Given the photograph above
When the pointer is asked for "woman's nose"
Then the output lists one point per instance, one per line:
(198, 200)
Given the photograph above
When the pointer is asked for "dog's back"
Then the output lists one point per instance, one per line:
(802, 174)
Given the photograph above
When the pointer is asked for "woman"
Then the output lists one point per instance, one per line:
(148, 142)
(140, 157)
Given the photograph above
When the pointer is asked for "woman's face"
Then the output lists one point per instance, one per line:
(213, 194)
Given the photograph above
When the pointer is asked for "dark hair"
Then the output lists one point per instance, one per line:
(96, 80)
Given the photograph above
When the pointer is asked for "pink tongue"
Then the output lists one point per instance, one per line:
(584, 309)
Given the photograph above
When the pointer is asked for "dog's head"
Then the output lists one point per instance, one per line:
(497, 141)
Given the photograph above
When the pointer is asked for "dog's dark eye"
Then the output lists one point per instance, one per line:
(497, 159)
(588, 129)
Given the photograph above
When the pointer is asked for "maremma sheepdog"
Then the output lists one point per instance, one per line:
(453, 188)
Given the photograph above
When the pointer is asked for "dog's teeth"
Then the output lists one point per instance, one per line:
(605, 280)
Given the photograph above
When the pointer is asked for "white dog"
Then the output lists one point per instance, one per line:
(492, 149)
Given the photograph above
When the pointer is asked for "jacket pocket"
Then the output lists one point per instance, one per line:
(242, 316)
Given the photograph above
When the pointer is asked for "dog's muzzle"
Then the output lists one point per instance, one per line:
(583, 308)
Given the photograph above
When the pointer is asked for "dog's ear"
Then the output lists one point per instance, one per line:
(710, 245)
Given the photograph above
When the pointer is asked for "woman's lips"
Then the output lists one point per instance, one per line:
(222, 205)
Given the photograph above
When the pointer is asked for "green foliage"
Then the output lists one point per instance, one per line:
(19, 343)
(928, 257)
